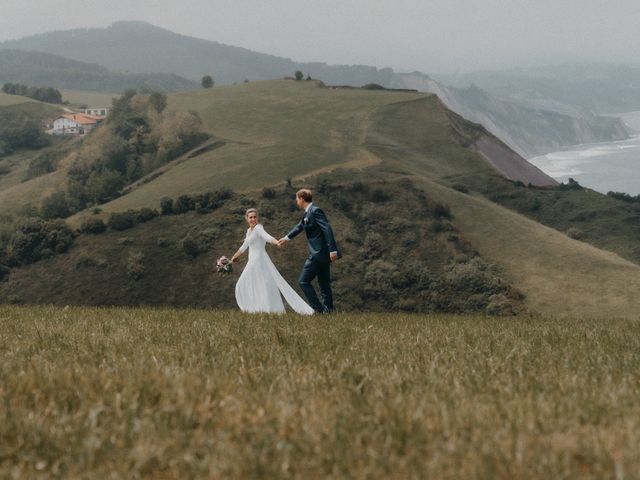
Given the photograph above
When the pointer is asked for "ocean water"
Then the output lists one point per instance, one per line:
(608, 166)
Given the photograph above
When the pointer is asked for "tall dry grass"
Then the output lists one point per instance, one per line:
(150, 393)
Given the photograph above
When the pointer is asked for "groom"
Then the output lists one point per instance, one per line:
(322, 251)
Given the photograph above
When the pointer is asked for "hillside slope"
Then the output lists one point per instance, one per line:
(386, 166)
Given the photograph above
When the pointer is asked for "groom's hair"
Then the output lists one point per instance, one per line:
(305, 194)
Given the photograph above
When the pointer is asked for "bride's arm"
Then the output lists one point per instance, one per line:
(242, 249)
(265, 236)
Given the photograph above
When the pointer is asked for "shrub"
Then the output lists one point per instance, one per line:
(373, 86)
(4, 271)
(190, 247)
(269, 193)
(183, 204)
(145, 214)
(121, 221)
(473, 277)
(135, 265)
(575, 233)
(460, 188)
(374, 245)
(357, 187)
(93, 225)
(35, 239)
(56, 205)
(166, 206)
(499, 304)
(379, 196)
(163, 242)
(343, 204)
(298, 75)
(441, 210)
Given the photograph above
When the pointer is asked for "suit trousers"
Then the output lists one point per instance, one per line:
(312, 269)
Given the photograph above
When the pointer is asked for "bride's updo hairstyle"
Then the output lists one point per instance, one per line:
(251, 210)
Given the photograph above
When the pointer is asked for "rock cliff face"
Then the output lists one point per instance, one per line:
(529, 131)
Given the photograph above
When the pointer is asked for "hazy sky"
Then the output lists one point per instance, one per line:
(435, 36)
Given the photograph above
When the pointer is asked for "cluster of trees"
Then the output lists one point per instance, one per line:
(36, 239)
(625, 197)
(138, 137)
(20, 130)
(43, 94)
(207, 81)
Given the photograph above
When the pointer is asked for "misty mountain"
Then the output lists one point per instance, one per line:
(530, 129)
(543, 120)
(44, 69)
(599, 88)
(139, 47)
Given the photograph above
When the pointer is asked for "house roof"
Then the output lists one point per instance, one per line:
(81, 118)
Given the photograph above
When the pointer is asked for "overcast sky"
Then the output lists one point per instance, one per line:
(434, 36)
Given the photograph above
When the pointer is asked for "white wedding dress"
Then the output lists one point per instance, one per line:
(260, 287)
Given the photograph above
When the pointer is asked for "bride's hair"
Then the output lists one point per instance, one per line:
(251, 210)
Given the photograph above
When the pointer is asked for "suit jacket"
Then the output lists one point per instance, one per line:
(320, 239)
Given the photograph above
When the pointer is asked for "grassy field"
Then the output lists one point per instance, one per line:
(91, 99)
(152, 393)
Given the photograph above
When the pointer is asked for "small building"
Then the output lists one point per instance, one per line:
(75, 124)
(97, 112)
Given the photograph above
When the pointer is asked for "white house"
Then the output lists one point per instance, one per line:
(75, 124)
(97, 112)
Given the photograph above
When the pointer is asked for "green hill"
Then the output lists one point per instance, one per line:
(49, 69)
(406, 184)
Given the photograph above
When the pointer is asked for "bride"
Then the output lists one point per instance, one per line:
(260, 285)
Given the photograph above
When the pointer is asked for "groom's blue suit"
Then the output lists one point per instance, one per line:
(321, 244)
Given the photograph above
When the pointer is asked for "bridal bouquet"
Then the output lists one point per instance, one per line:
(224, 265)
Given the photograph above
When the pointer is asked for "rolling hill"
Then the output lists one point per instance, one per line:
(47, 69)
(556, 116)
(400, 176)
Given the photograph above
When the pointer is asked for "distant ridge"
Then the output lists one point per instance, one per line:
(40, 69)
(139, 47)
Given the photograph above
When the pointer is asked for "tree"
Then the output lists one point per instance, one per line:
(207, 81)
(299, 75)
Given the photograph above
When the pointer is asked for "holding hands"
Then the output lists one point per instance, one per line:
(282, 241)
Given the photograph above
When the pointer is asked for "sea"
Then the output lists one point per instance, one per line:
(604, 167)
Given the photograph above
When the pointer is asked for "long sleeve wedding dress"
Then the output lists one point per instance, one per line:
(260, 287)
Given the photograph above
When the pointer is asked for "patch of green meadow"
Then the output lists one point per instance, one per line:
(164, 393)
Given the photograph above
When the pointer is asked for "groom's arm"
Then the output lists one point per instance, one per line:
(294, 231)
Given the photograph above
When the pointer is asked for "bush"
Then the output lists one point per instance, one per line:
(183, 204)
(379, 196)
(441, 210)
(342, 204)
(56, 206)
(4, 271)
(269, 193)
(121, 221)
(35, 239)
(499, 304)
(575, 233)
(93, 226)
(166, 206)
(373, 86)
(135, 265)
(190, 247)
(460, 188)
(145, 214)
(374, 245)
